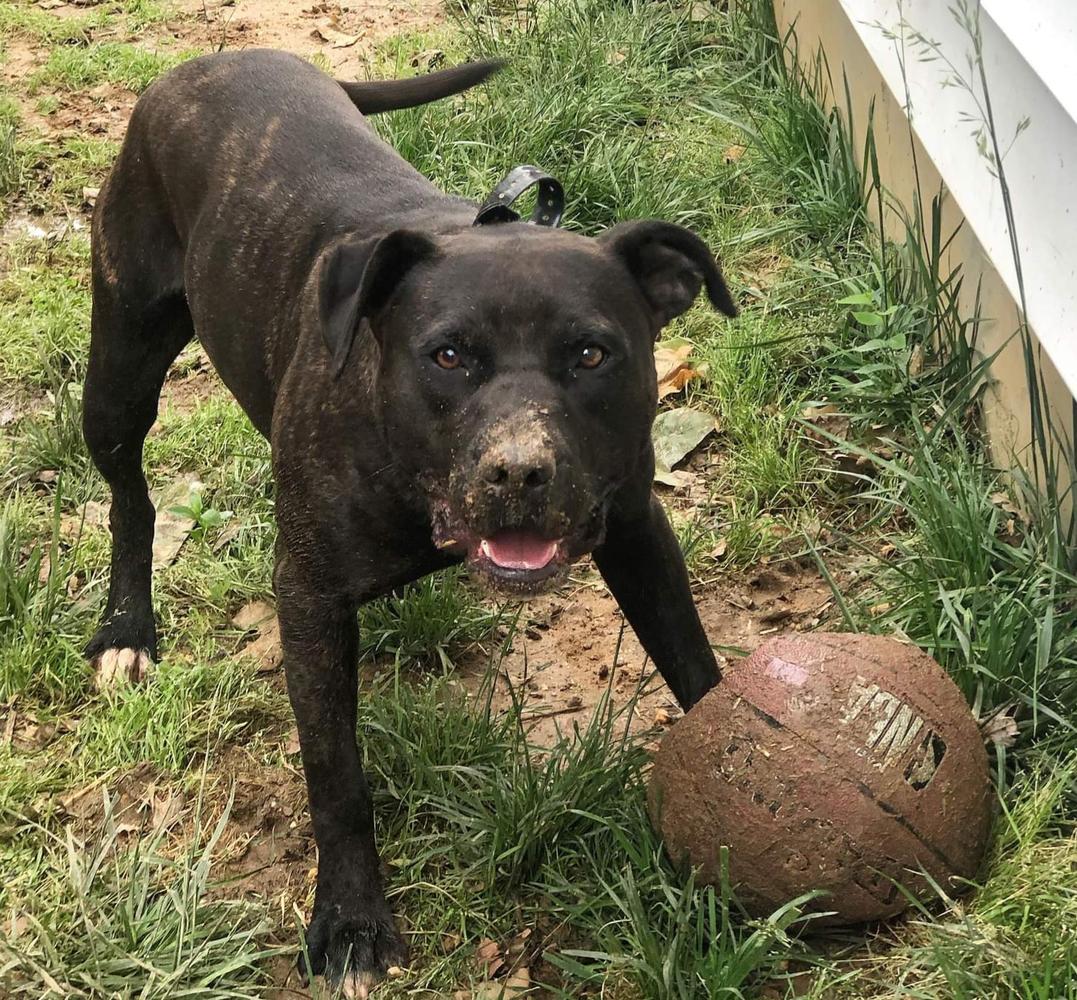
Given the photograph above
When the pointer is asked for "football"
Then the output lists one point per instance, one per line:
(849, 764)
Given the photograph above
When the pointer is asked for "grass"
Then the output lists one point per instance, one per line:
(485, 837)
(131, 67)
(112, 916)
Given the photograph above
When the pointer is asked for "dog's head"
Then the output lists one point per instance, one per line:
(516, 377)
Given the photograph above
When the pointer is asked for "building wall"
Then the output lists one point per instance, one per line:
(826, 24)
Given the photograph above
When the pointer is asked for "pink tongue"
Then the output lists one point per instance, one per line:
(518, 550)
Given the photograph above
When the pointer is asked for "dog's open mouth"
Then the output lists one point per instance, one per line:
(517, 557)
(523, 561)
(519, 551)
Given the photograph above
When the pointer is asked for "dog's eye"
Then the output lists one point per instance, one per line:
(447, 358)
(591, 356)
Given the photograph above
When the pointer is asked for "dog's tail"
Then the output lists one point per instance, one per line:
(374, 96)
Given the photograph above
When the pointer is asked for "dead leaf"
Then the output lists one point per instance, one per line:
(676, 434)
(700, 11)
(734, 153)
(170, 530)
(1004, 502)
(449, 942)
(488, 956)
(520, 980)
(428, 59)
(663, 717)
(720, 548)
(672, 368)
(1000, 727)
(18, 924)
(334, 38)
(677, 480)
(916, 361)
(89, 195)
(291, 747)
(615, 58)
(879, 609)
(265, 650)
(514, 986)
(252, 615)
(829, 418)
(230, 531)
(166, 810)
(516, 946)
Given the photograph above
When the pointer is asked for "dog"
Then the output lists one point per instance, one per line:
(434, 392)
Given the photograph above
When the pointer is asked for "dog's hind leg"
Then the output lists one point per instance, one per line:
(139, 324)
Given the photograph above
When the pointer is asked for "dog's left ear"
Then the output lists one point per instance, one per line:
(357, 281)
(670, 265)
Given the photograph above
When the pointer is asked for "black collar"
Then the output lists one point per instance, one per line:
(549, 207)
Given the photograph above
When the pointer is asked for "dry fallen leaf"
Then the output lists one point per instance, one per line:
(1000, 726)
(515, 985)
(664, 717)
(166, 809)
(266, 650)
(676, 434)
(336, 39)
(89, 195)
(734, 153)
(829, 418)
(488, 956)
(720, 548)
(170, 530)
(672, 368)
(428, 59)
(252, 615)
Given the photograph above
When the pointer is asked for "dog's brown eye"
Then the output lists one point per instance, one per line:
(591, 356)
(447, 358)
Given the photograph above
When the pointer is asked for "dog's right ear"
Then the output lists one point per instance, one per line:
(357, 281)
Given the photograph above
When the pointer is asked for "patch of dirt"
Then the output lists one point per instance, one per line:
(101, 111)
(134, 798)
(188, 386)
(575, 646)
(21, 59)
(342, 33)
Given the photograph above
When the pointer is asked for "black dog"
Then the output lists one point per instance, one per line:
(433, 391)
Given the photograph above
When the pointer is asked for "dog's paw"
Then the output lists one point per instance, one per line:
(116, 668)
(353, 951)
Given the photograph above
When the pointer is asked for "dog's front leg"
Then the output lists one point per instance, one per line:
(642, 564)
(352, 939)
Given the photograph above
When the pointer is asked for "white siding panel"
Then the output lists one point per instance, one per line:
(1030, 55)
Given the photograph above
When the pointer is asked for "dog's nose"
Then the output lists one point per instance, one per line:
(518, 472)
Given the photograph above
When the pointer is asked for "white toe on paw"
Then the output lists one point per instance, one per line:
(115, 668)
(357, 985)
